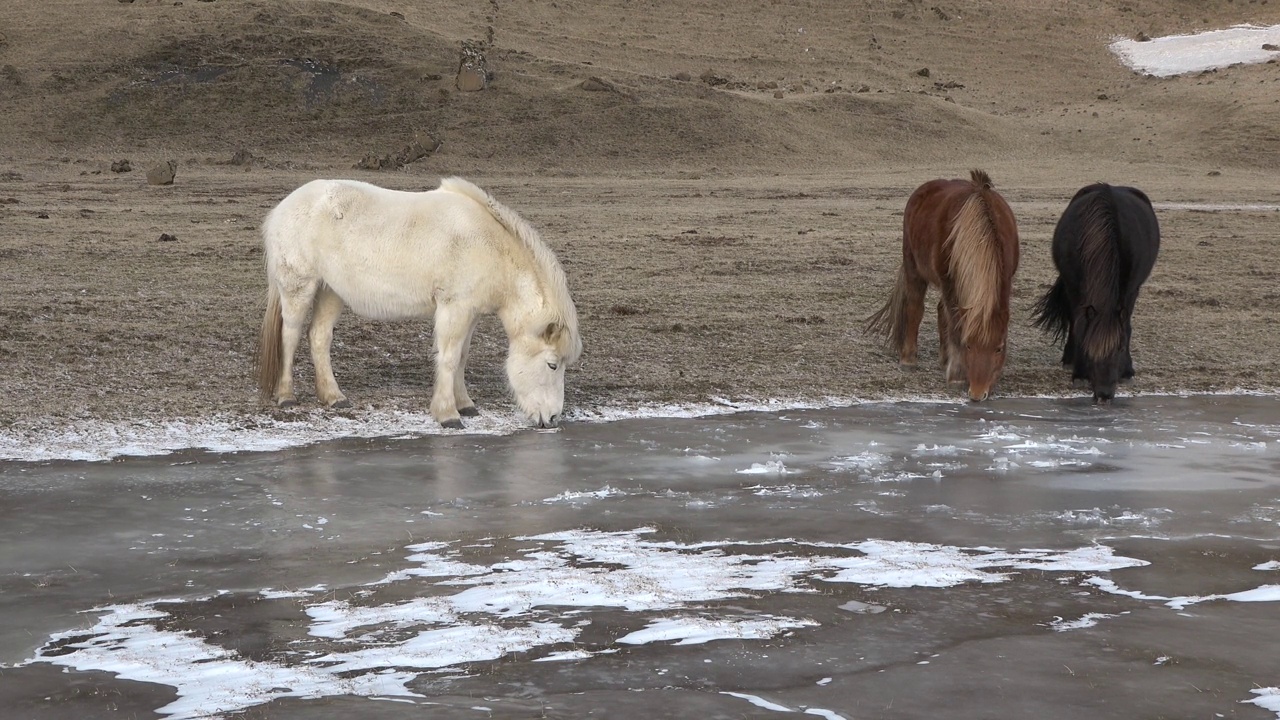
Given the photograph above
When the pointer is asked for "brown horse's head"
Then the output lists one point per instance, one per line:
(984, 354)
(983, 366)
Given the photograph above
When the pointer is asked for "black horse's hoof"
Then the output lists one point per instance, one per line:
(454, 424)
(342, 404)
(469, 411)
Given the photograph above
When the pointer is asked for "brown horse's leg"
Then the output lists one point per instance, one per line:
(944, 335)
(950, 353)
(914, 288)
(324, 316)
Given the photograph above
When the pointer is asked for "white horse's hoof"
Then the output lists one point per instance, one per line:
(469, 411)
(342, 404)
(286, 403)
(454, 424)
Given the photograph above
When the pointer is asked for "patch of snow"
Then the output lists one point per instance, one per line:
(272, 594)
(98, 441)
(945, 450)
(579, 495)
(564, 656)
(1182, 54)
(769, 467)
(695, 630)
(534, 599)
(209, 680)
(862, 461)
(1268, 699)
(1087, 620)
(758, 701)
(1265, 593)
(792, 490)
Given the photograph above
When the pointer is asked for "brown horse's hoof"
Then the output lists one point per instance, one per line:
(454, 424)
(469, 411)
(342, 404)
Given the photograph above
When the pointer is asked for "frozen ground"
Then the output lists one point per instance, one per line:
(1033, 557)
(1183, 54)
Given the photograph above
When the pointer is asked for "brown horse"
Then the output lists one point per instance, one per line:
(960, 236)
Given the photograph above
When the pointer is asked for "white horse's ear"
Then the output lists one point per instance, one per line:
(552, 333)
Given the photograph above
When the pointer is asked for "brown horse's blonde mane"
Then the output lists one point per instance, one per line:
(976, 264)
(1103, 333)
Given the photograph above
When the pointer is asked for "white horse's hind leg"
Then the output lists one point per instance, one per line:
(295, 302)
(324, 315)
(451, 333)
(460, 396)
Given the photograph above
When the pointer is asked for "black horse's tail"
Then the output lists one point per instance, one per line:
(1052, 312)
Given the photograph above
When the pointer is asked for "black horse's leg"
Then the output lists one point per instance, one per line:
(1127, 374)
(1069, 348)
(1073, 355)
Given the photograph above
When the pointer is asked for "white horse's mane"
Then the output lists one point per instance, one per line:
(555, 284)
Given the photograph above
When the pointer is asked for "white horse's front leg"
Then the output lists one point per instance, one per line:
(324, 316)
(461, 398)
(452, 325)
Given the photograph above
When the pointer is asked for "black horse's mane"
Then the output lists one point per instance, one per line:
(1099, 251)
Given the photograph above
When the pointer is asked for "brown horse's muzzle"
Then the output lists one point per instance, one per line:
(983, 370)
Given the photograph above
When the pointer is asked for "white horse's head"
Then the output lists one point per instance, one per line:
(536, 362)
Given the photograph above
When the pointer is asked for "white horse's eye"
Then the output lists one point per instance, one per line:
(553, 366)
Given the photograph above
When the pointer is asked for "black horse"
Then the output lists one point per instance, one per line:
(1104, 247)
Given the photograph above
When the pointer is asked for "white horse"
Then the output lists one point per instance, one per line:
(454, 252)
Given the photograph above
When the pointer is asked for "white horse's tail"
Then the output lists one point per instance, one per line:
(270, 354)
(556, 285)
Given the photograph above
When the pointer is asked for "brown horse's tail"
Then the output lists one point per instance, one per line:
(891, 320)
(270, 353)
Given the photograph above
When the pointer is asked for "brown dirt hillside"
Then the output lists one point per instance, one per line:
(687, 83)
(723, 182)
